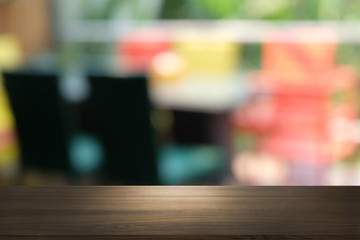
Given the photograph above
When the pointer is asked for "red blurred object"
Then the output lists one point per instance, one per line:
(305, 93)
(139, 48)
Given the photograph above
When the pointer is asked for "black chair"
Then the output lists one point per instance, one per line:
(116, 113)
(37, 108)
(120, 111)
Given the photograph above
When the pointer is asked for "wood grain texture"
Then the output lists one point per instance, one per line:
(186, 212)
(157, 237)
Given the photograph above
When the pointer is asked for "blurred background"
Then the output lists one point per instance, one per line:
(180, 92)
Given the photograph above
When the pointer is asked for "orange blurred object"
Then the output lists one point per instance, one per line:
(287, 60)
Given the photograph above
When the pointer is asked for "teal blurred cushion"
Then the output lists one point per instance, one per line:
(184, 164)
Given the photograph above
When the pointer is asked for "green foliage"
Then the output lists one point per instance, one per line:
(251, 56)
(348, 54)
(262, 9)
(94, 10)
(219, 9)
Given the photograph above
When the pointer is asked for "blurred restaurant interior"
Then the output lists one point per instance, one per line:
(179, 92)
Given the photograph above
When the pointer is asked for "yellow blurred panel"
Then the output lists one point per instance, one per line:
(10, 58)
(209, 53)
(10, 52)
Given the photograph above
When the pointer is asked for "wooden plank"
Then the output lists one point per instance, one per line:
(159, 212)
(264, 237)
(183, 191)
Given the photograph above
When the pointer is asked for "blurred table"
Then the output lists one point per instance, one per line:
(181, 212)
(201, 94)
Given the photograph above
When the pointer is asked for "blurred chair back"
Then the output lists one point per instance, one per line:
(36, 105)
(120, 111)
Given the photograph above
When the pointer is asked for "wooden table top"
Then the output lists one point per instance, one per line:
(181, 212)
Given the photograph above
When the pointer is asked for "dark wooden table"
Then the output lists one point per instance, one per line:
(211, 212)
